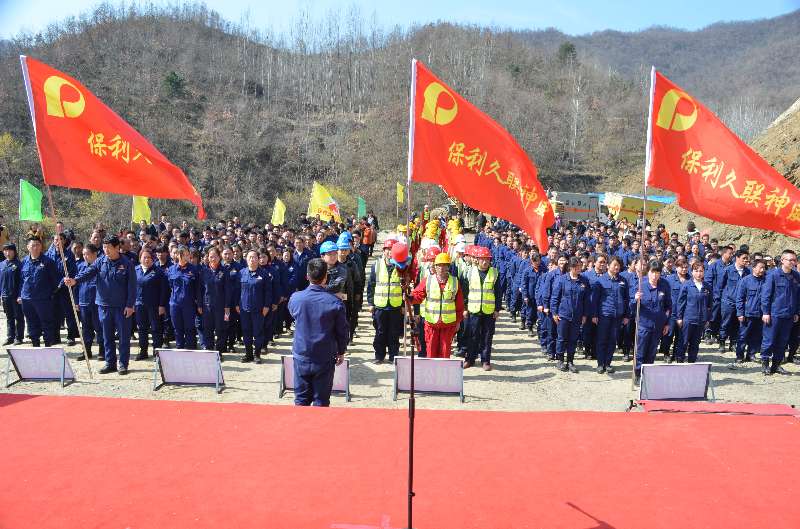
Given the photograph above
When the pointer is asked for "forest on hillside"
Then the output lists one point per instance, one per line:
(250, 114)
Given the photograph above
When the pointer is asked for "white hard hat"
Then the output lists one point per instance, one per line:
(460, 247)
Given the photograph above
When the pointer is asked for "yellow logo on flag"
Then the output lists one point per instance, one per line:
(668, 116)
(55, 105)
(431, 111)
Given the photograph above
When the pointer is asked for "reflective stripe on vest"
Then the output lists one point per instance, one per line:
(440, 305)
(388, 289)
(485, 302)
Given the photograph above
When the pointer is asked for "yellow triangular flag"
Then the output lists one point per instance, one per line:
(278, 213)
(323, 204)
(141, 210)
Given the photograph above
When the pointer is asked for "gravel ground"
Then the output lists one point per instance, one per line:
(522, 380)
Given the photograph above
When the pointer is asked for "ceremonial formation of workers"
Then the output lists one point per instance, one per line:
(598, 289)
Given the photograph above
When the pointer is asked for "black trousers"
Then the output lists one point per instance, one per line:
(388, 330)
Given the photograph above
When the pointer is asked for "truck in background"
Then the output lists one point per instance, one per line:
(575, 207)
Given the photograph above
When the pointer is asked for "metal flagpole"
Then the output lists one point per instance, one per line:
(411, 400)
(644, 221)
(29, 94)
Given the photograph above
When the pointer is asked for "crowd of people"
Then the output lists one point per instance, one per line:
(598, 289)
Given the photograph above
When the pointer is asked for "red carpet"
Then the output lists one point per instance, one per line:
(94, 463)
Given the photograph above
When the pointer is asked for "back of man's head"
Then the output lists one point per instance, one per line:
(317, 270)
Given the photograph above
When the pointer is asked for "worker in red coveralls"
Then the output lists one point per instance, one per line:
(444, 307)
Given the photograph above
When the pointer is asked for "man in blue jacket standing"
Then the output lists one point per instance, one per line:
(320, 337)
(779, 308)
(115, 298)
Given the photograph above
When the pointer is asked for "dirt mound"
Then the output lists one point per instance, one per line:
(779, 144)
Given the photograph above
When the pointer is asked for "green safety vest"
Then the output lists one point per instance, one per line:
(485, 302)
(388, 289)
(440, 305)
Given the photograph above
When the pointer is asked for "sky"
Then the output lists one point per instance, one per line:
(575, 17)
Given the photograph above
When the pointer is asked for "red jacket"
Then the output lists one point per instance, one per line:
(419, 294)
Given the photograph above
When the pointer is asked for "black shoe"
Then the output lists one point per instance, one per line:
(669, 359)
(257, 359)
(522, 326)
(722, 348)
(551, 357)
(627, 357)
(141, 356)
(776, 369)
(610, 370)
(106, 369)
(377, 361)
(600, 370)
(571, 367)
(530, 332)
(8, 342)
(122, 370)
(17, 342)
(637, 379)
(514, 318)
(765, 367)
(740, 360)
(71, 342)
(247, 358)
(560, 366)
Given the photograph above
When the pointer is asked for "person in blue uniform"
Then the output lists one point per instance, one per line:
(152, 296)
(548, 334)
(10, 288)
(748, 312)
(184, 299)
(731, 275)
(87, 297)
(269, 273)
(655, 306)
(482, 300)
(779, 308)
(63, 304)
(569, 305)
(281, 273)
(611, 309)
(320, 339)
(528, 286)
(254, 295)
(674, 338)
(634, 275)
(40, 279)
(694, 312)
(588, 334)
(216, 291)
(115, 299)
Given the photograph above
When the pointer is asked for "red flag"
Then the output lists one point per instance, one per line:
(713, 172)
(83, 144)
(472, 157)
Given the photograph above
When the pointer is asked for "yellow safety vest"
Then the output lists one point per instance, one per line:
(481, 295)
(440, 305)
(388, 289)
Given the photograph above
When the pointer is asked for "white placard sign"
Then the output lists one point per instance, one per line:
(675, 381)
(39, 363)
(433, 375)
(187, 366)
(341, 377)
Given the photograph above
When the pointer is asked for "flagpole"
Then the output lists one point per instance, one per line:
(408, 316)
(647, 160)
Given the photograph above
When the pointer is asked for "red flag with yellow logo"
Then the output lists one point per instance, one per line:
(83, 144)
(455, 145)
(713, 172)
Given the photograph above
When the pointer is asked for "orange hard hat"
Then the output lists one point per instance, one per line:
(400, 252)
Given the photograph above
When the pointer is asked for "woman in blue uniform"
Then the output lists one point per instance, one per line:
(694, 311)
(611, 310)
(748, 312)
(152, 296)
(569, 306)
(548, 330)
(254, 300)
(184, 300)
(217, 294)
(655, 306)
(674, 337)
(10, 288)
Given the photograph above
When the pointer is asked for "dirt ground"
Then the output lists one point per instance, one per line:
(522, 380)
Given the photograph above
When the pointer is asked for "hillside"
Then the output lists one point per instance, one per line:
(250, 115)
(780, 146)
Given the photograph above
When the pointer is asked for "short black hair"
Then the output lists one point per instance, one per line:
(92, 248)
(113, 240)
(316, 270)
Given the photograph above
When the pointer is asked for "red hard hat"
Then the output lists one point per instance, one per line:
(400, 252)
(469, 250)
(431, 253)
(482, 252)
(388, 243)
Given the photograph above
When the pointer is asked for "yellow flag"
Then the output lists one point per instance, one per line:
(323, 204)
(278, 213)
(400, 193)
(141, 210)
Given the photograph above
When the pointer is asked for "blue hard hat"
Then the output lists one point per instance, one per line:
(327, 246)
(345, 241)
